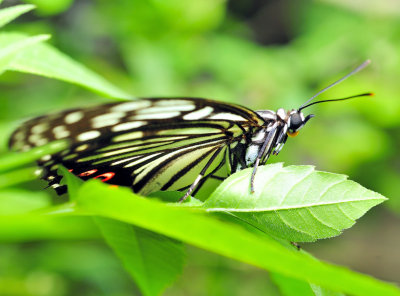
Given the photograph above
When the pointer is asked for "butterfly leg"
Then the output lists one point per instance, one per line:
(267, 146)
(201, 175)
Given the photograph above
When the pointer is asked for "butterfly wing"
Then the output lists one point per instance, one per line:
(148, 144)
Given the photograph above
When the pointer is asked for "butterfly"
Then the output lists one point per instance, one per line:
(162, 143)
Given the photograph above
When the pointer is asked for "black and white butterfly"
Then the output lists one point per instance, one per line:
(161, 143)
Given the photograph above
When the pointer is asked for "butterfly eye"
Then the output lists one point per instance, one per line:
(296, 121)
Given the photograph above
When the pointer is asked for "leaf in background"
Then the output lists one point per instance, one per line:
(10, 13)
(50, 7)
(33, 227)
(14, 160)
(10, 46)
(295, 202)
(196, 228)
(17, 177)
(19, 201)
(153, 260)
(45, 60)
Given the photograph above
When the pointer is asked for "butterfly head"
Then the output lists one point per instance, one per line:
(295, 121)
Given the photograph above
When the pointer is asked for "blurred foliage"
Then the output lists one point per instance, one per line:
(262, 54)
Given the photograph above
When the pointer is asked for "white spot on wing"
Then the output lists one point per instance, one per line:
(167, 109)
(173, 102)
(39, 128)
(45, 157)
(227, 116)
(127, 126)
(37, 140)
(63, 134)
(19, 136)
(199, 113)
(73, 117)
(82, 147)
(88, 135)
(38, 172)
(130, 106)
(41, 142)
(33, 138)
(107, 119)
(60, 132)
(107, 116)
(108, 122)
(156, 116)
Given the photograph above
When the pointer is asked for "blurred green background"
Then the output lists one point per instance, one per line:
(261, 54)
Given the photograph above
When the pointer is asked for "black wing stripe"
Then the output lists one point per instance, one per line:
(152, 174)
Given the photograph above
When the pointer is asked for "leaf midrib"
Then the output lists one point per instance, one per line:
(268, 209)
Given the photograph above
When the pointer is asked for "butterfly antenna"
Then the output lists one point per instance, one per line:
(359, 68)
(335, 100)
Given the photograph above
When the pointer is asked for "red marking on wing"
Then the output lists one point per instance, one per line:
(88, 173)
(105, 177)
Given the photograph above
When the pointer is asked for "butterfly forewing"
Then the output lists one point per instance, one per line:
(149, 144)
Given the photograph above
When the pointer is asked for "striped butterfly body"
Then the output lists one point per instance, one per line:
(160, 144)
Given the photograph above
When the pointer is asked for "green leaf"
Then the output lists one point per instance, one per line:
(17, 177)
(295, 202)
(50, 7)
(18, 201)
(28, 227)
(13, 160)
(74, 183)
(195, 227)
(45, 60)
(292, 287)
(10, 13)
(153, 260)
(10, 46)
(320, 291)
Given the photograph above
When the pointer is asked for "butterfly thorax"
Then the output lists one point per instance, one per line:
(268, 138)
